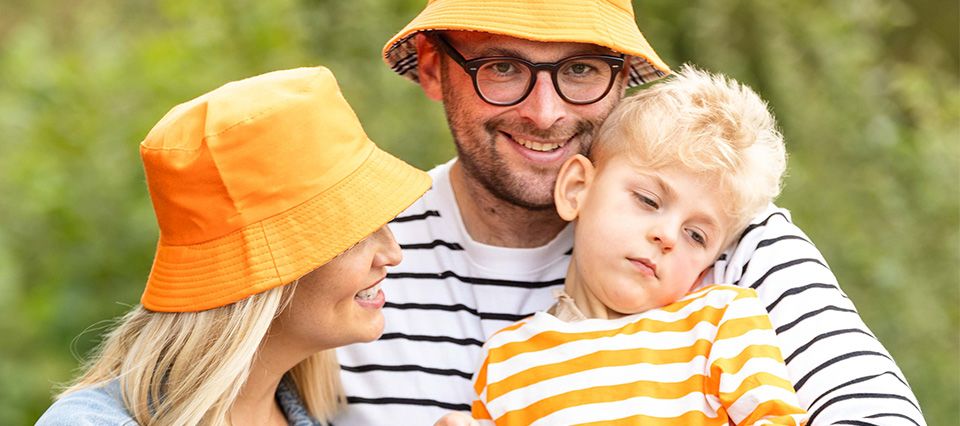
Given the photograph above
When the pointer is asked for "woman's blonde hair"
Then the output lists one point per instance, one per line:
(708, 124)
(187, 368)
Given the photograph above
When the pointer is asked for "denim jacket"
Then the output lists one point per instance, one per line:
(103, 406)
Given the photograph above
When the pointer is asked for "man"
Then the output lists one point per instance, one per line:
(525, 84)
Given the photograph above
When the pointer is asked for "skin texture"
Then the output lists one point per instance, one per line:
(643, 237)
(504, 189)
(322, 314)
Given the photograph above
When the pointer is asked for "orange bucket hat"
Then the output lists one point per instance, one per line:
(608, 23)
(259, 182)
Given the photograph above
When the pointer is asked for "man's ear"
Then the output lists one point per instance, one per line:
(625, 73)
(573, 182)
(428, 67)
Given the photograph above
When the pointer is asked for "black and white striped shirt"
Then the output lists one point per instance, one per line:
(450, 293)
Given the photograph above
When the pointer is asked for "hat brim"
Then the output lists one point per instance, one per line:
(601, 23)
(287, 246)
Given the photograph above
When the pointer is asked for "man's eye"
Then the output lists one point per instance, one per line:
(580, 69)
(503, 67)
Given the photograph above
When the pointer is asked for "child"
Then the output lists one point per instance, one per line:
(674, 176)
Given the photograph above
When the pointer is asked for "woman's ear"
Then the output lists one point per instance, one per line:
(428, 67)
(573, 182)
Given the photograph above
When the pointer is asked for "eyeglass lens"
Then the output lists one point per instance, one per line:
(578, 79)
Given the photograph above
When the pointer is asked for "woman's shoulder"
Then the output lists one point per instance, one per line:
(94, 406)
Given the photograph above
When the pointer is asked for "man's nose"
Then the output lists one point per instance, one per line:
(543, 106)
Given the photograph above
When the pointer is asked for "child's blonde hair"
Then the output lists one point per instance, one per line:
(187, 368)
(708, 124)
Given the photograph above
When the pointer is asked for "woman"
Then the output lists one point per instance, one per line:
(272, 205)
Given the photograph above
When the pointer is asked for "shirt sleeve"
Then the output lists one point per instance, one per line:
(746, 370)
(99, 406)
(841, 372)
(478, 408)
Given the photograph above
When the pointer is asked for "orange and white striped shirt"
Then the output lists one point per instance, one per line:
(703, 360)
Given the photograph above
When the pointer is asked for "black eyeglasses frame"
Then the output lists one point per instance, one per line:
(472, 66)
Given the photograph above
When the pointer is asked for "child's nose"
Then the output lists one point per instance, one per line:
(662, 236)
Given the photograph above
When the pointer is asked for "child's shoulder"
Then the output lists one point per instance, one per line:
(721, 291)
(518, 331)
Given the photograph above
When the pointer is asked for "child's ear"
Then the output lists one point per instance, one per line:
(428, 67)
(574, 180)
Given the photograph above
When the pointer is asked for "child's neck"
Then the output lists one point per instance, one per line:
(585, 301)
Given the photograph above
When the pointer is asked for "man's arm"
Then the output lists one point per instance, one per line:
(841, 372)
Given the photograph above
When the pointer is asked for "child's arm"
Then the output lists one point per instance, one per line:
(841, 372)
(747, 374)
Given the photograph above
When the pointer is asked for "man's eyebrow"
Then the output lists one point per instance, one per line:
(505, 51)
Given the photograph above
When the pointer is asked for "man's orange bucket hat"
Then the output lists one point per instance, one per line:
(608, 23)
(259, 182)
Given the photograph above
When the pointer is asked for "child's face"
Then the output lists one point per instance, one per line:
(643, 237)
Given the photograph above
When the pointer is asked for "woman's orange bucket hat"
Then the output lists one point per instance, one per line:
(608, 23)
(259, 182)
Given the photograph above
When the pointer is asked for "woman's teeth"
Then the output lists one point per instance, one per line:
(369, 293)
(537, 146)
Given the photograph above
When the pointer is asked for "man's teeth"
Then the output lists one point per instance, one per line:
(537, 146)
(368, 294)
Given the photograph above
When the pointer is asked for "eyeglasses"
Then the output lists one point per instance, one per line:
(507, 80)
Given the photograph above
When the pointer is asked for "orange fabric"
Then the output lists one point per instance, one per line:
(259, 182)
(608, 23)
(709, 358)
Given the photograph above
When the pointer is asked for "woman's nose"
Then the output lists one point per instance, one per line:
(389, 251)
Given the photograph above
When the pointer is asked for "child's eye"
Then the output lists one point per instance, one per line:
(697, 237)
(647, 200)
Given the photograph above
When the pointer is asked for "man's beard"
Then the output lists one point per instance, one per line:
(484, 164)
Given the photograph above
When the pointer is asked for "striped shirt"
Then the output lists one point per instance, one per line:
(451, 293)
(709, 358)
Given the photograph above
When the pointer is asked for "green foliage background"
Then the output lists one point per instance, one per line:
(867, 93)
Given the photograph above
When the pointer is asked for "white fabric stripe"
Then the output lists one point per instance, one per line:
(729, 382)
(397, 385)
(629, 407)
(733, 347)
(427, 354)
(606, 376)
(809, 329)
(745, 405)
(578, 348)
(718, 297)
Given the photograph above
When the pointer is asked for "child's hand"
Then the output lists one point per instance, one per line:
(457, 419)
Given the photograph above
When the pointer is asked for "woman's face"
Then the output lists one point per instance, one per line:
(340, 302)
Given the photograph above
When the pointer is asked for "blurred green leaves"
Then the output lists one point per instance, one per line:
(867, 94)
